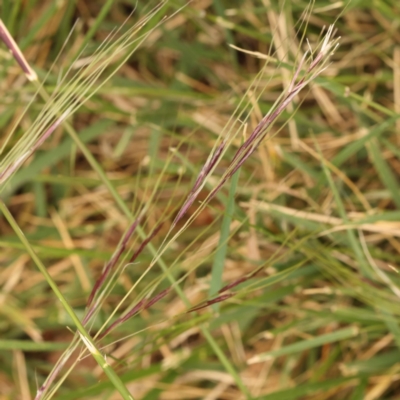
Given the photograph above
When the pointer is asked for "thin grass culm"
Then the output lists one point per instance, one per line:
(62, 104)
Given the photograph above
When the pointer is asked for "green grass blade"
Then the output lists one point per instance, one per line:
(96, 24)
(220, 255)
(27, 345)
(308, 389)
(362, 262)
(385, 173)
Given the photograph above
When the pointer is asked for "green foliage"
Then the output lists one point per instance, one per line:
(307, 234)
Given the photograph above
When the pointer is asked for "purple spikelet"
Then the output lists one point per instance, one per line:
(315, 67)
(144, 304)
(206, 169)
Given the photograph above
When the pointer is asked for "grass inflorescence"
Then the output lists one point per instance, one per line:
(199, 201)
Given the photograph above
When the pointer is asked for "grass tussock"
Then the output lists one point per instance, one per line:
(199, 200)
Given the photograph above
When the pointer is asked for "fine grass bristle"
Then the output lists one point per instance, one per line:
(199, 200)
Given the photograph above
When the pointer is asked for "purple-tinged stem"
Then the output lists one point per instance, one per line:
(225, 296)
(207, 167)
(121, 320)
(234, 283)
(143, 304)
(8, 40)
(50, 378)
(110, 265)
(240, 280)
(146, 242)
(208, 303)
(156, 298)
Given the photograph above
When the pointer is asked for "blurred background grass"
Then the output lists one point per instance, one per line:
(316, 208)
